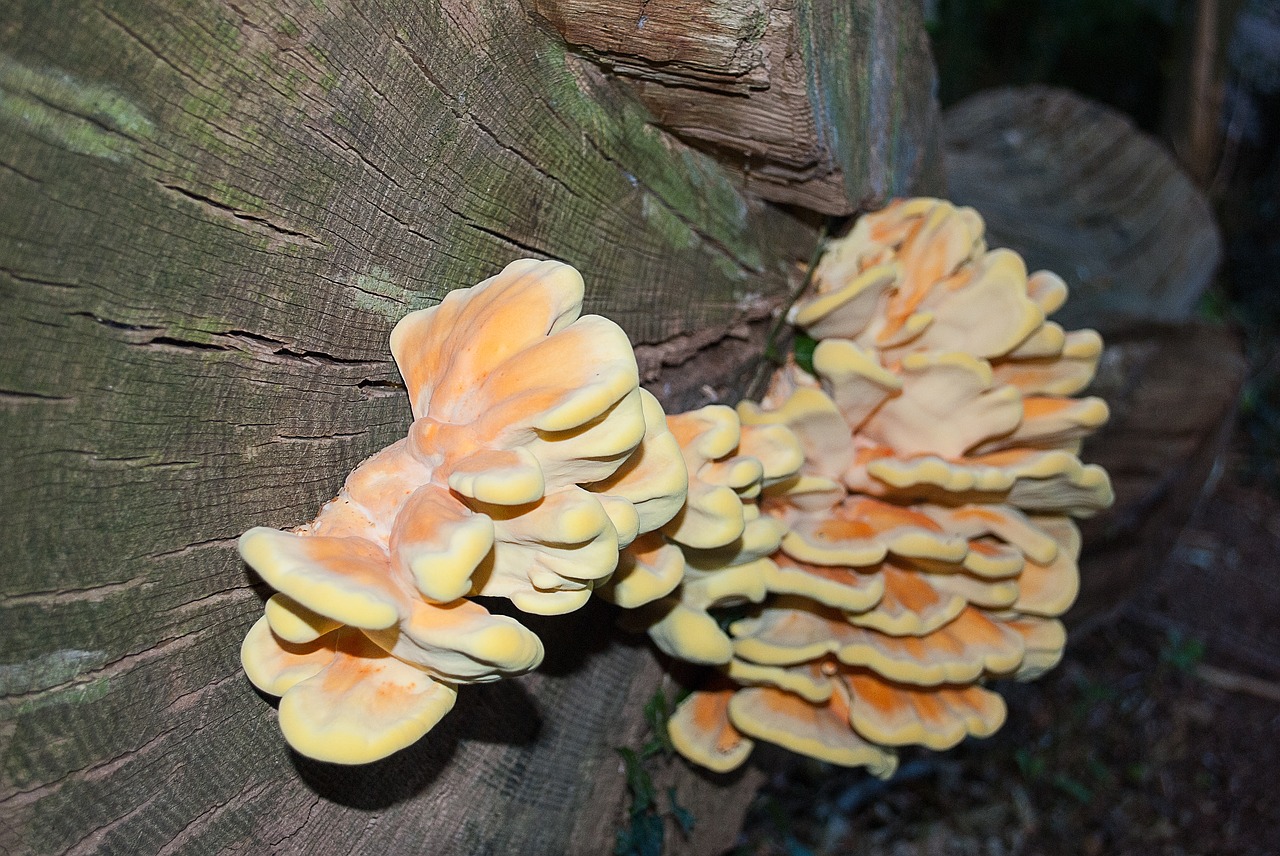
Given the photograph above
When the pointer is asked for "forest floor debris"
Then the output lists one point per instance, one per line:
(1158, 734)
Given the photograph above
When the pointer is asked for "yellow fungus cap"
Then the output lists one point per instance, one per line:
(818, 730)
(649, 569)
(700, 731)
(928, 544)
(533, 459)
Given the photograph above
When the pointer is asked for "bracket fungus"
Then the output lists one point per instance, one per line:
(927, 541)
(532, 460)
(719, 537)
(855, 556)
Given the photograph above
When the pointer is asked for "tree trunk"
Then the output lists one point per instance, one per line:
(214, 213)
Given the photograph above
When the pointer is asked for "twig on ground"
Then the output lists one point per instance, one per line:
(1238, 683)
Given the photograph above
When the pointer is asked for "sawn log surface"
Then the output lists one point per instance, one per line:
(213, 213)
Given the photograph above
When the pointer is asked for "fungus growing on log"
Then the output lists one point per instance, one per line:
(892, 524)
(928, 542)
(532, 460)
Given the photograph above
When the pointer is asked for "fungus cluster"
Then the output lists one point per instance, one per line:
(926, 542)
(855, 555)
(719, 539)
(532, 460)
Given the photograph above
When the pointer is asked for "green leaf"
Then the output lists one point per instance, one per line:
(647, 832)
(642, 838)
(656, 713)
(803, 346)
(1182, 652)
(682, 815)
(1073, 788)
(638, 782)
(1031, 766)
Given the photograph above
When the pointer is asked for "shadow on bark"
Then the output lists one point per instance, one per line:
(501, 712)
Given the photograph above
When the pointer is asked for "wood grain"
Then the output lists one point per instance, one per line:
(214, 213)
(824, 105)
(1173, 391)
(1075, 188)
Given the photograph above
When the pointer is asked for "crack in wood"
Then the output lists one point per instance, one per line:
(380, 388)
(13, 169)
(259, 345)
(19, 397)
(112, 323)
(187, 835)
(317, 438)
(187, 700)
(60, 597)
(518, 244)
(422, 67)
(92, 843)
(175, 344)
(304, 823)
(284, 233)
(100, 770)
(236, 594)
(432, 241)
(211, 543)
(34, 280)
(129, 462)
(110, 130)
(150, 48)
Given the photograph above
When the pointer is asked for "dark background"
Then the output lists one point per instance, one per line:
(1158, 734)
(1141, 56)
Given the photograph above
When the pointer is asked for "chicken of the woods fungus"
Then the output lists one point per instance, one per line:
(854, 556)
(924, 543)
(533, 459)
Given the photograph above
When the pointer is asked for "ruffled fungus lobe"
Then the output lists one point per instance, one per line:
(719, 537)
(533, 459)
(928, 538)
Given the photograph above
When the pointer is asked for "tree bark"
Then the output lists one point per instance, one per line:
(214, 213)
(811, 104)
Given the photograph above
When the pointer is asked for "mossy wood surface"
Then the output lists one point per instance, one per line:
(213, 213)
(817, 104)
